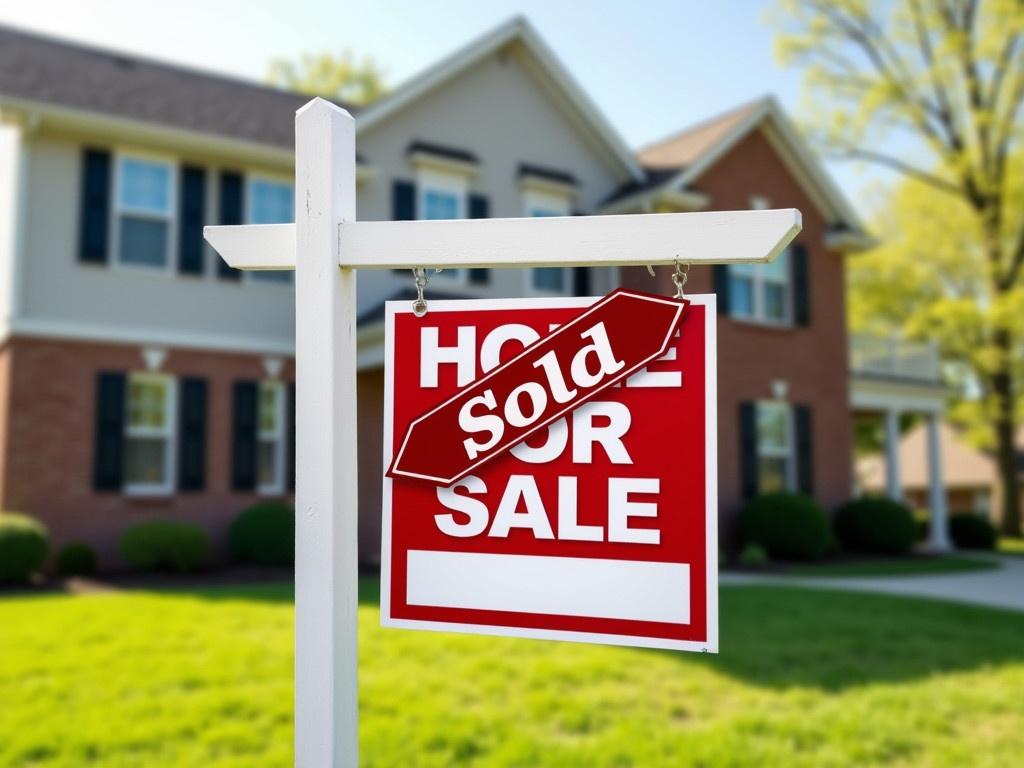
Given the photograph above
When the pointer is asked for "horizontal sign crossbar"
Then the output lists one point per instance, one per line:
(713, 237)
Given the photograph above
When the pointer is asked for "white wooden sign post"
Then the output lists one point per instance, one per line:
(325, 247)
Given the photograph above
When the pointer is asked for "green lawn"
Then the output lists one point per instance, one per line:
(1008, 546)
(898, 566)
(805, 678)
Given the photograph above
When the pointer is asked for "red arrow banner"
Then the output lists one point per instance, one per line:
(608, 342)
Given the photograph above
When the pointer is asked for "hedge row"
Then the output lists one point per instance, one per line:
(263, 534)
(790, 526)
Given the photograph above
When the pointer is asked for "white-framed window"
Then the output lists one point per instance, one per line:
(149, 434)
(270, 438)
(776, 459)
(442, 195)
(144, 211)
(270, 201)
(547, 280)
(762, 292)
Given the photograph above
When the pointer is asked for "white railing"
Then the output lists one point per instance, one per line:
(878, 356)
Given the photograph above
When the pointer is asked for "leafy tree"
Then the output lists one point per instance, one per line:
(334, 77)
(933, 89)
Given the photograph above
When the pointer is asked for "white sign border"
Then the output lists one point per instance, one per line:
(710, 645)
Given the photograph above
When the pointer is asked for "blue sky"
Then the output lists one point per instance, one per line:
(653, 66)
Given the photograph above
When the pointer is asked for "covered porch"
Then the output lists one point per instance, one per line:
(890, 379)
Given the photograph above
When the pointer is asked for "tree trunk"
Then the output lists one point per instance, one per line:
(1005, 429)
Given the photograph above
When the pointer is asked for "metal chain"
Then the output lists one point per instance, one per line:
(679, 278)
(419, 276)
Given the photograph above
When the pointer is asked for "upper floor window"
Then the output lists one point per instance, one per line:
(270, 451)
(271, 202)
(547, 279)
(144, 211)
(776, 467)
(442, 196)
(149, 432)
(762, 292)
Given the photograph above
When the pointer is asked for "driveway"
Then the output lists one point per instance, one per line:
(999, 588)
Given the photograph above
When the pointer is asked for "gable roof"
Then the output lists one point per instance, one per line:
(680, 159)
(41, 70)
(515, 30)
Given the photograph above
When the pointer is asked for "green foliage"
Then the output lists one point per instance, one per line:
(970, 531)
(806, 679)
(788, 526)
(24, 544)
(934, 92)
(76, 559)
(876, 526)
(334, 77)
(165, 544)
(264, 534)
(753, 556)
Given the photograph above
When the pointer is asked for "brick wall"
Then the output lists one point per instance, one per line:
(46, 458)
(812, 359)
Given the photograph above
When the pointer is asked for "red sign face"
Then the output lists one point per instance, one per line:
(599, 527)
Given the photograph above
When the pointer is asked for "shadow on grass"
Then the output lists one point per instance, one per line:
(781, 637)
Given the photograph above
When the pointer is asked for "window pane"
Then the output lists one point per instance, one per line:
(777, 270)
(272, 202)
(544, 212)
(772, 471)
(772, 427)
(774, 301)
(142, 241)
(549, 278)
(147, 404)
(267, 463)
(145, 461)
(268, 408)
(440, 205)
(145, 186)
(741, 295)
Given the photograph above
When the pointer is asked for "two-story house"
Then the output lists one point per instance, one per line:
(140, 377)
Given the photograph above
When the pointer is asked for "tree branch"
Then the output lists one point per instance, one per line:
(937, 182)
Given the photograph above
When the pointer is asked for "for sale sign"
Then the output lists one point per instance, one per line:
(551, 469)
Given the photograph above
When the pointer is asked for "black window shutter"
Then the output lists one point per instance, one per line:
(479, 208)
(192, 208)
(403, 200)
(230, 212)
(801, 284)
(804, 449)
(581, 281)
(109, 450)
(721, 281)
(243, 434)
(94, 214)
(748, 450)
(290, 426)
(192, 435)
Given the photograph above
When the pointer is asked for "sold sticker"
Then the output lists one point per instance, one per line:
(552, 469)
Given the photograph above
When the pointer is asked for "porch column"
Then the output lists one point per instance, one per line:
(893, 486)
(938, 538)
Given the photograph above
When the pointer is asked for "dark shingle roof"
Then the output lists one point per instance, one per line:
(42, 69)
(551, 174)
(451, 153)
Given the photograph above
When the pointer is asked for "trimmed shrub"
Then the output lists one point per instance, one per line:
(24, 544)
(753, 556)
(165, 544)
(789, 526)
(876, 526)
(264, 534)
(970, 531)
(76, 559)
